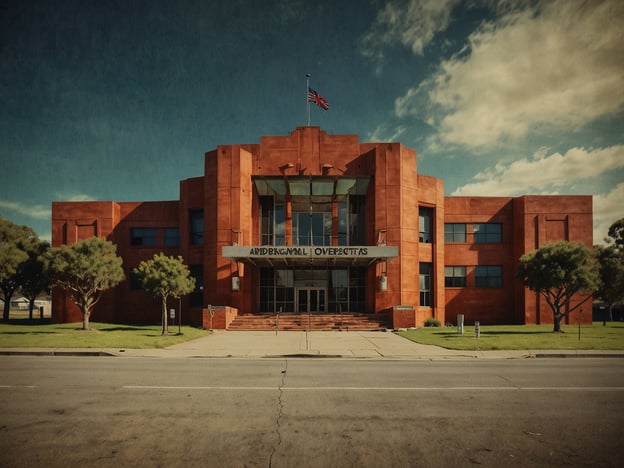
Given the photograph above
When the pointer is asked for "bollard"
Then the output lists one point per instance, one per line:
(460, 324)
(477, 330)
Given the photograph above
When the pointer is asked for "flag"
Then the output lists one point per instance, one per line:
(316, 98)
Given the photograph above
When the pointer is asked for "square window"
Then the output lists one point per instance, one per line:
(490, 276)
(172, 237)
(487, 232)
(145, 237)
(454, 232)
(455, 276)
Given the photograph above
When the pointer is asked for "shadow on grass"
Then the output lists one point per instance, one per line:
(494, 333)
(533, 332)
(28, 332)
(120, 328)
(27, 321)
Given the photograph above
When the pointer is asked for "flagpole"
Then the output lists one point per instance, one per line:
(307, 100)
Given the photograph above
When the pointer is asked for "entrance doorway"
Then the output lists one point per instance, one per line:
(311, 300)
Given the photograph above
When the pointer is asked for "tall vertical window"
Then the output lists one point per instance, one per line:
(357, 223)
(197, 227)
(425, 269)
(343, 222)
(143, 236)
(487, 232)
(135, 281)
(454, 276)
(280, 223)
(172, 237)
(266, 220)
(312, 228)
(197, 296)
(312, 201)
(489, 276)
(454, 232)
(425, 216)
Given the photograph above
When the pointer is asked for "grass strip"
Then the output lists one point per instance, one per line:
(522, 337)
(43, 334)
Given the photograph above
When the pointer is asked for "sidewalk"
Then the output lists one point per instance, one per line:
(354, 344)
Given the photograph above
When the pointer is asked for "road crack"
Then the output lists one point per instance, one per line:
(280, 412)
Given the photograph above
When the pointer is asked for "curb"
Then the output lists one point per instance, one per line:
(304, 355)
(55, 353)
(574, 355)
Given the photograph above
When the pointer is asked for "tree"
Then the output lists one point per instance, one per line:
(558, 271)
(15, 241)
(85, 268)
(34, 279)
(164, 276)
(611, 276)
(616, 232)
(611, 268)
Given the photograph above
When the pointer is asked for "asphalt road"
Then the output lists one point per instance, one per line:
(106, 411)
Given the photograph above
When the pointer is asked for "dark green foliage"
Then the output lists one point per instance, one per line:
(164, 276)
(15, 243)
(85, 269)
(431, 322)
(34, 278)
(611, 268)
(558, 271)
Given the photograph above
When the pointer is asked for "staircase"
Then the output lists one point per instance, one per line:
(317, 322)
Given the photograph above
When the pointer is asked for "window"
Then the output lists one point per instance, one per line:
(172, 237)
(455, 276)
(454, 232)
(197, 227)
(424, 224)
(425, 284)
(266, 220)
(197, 296)
(489, 276)
(143, 236)
(357, 221)
(311, 228)
(135, 281)
(488, 232)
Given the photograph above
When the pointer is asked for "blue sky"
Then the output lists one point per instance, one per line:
(120, 99)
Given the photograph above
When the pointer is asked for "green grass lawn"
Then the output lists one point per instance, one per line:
(36, 334)
(523, 337)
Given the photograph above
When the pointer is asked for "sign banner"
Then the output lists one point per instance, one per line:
(310, 251)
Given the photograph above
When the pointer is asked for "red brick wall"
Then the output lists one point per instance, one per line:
(528, 222)
(226, 194)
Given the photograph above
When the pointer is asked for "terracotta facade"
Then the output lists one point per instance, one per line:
(312, 222)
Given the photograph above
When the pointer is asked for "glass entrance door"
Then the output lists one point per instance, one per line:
(311, 300)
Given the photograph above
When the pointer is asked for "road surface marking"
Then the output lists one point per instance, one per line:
(416, 389)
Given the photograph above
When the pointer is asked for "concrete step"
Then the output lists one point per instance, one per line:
(318, 322)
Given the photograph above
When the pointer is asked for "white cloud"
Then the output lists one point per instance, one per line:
(74, 197)
(544, 173)
(32, 211)
(556, 66)
(413, 23)
(547, 174)
(383, 134)
(608, 208)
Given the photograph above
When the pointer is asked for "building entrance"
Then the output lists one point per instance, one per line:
(311, 300)
(314, 290)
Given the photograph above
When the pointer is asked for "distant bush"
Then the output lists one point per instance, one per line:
(433, 323)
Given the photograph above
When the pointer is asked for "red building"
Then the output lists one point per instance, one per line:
(320, 224)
